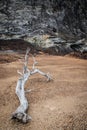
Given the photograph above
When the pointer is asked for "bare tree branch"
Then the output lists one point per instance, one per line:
(20, 113)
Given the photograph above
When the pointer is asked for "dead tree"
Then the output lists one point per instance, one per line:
(21, 112)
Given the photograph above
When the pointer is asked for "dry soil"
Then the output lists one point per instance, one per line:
(60, 104)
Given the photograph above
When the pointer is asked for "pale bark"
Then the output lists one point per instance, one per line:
(20, 113)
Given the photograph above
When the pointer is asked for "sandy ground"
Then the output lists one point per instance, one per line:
(57, 105)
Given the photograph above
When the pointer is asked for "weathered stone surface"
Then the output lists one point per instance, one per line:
(63, 48)
(65, 22)
(19, 18)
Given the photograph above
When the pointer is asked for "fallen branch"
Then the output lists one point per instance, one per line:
(35, 70)
(20, 113)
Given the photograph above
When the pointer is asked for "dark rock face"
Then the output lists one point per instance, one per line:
(63, 47)
(16, 45)
(21, 18)
(65, 20)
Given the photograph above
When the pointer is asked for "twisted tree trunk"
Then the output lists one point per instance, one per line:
(20, 113)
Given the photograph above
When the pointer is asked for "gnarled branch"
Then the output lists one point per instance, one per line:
(20, 113)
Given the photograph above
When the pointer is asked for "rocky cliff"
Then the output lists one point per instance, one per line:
(65, 19)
